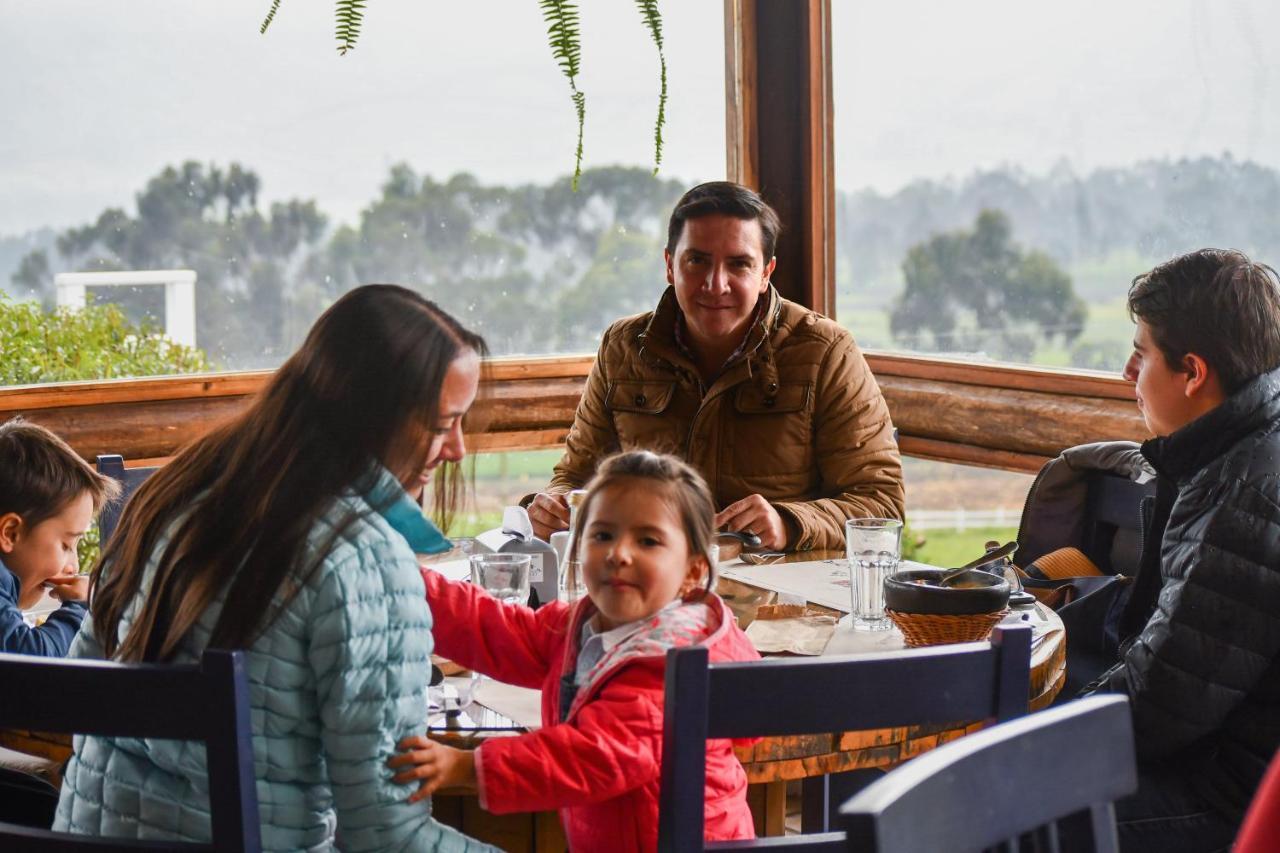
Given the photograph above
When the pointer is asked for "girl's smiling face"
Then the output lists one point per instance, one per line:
(635, 553)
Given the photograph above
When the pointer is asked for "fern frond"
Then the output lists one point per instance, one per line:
(653, 20)
(349, 15)
(271, 16)
(561, 18)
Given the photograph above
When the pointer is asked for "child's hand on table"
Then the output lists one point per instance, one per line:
(69, 587)
(437, 765)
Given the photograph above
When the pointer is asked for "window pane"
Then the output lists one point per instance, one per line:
(154, 136)
(953, 510)
(1005, 169)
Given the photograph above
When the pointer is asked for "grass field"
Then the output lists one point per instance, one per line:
(950, 548)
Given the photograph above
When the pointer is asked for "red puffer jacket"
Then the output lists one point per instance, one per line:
(600, 766)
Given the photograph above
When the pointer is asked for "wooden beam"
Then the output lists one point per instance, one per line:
(781, 133)
(993, 415)
(742, 160)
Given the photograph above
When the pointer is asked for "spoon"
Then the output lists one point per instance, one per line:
(748, 540)
(990, 557)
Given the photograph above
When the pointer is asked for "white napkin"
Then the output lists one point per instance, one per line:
(803, 635)
(522, 705)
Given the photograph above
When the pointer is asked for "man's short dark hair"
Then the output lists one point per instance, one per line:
(727, 199)
(1217, 304)
(40, 474)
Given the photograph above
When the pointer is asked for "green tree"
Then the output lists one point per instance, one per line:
(535, 268)
(977, 290)
(207, 219)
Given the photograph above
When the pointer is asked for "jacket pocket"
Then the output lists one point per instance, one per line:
(644, 398)
(772, 450)
(644, 417)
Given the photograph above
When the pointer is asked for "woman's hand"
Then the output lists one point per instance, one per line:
(437, 765)
(753, 514)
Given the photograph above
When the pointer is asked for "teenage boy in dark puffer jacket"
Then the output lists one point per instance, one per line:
(1202, 668)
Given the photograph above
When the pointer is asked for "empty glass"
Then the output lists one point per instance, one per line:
(874, 547)
(504, 576)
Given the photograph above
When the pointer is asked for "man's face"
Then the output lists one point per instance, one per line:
(719, 271)
(1162, 390)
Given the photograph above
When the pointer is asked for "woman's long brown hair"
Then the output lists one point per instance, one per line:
(237, 506)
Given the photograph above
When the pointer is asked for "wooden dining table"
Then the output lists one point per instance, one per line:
(770, 764)
(773, 762)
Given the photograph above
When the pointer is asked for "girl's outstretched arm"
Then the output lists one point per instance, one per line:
(612, 746)
(506, 641)
(433, 764)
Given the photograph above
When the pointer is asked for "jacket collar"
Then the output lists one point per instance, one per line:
(693, 623)
(659, 335)
(384, 493)
(1184, 452)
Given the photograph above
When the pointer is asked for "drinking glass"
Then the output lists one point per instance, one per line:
(874, 547)
(504, 576)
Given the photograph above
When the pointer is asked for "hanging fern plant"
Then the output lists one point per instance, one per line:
(561, 18)
(652, 20)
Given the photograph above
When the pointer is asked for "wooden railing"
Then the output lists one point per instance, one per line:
(992, 415)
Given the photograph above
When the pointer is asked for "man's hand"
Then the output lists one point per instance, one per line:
(69, 587)
(437, 765)
(548, 513)
(754, 514)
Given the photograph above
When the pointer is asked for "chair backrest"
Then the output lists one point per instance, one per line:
(798, 696)
(1113, 522)
(208, 703)
(112, 465)
(1019, 779)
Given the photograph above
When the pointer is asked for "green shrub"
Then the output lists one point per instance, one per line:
(96, 342)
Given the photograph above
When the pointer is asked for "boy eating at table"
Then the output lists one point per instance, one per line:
(48, 497)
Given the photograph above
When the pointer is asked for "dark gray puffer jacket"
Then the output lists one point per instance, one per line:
(1203, 674)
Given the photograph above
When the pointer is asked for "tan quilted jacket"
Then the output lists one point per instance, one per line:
(797, 418)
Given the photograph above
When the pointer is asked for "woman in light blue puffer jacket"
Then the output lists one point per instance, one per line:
(291, 532)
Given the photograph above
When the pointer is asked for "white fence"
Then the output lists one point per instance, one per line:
(179, 295)
(963, 519)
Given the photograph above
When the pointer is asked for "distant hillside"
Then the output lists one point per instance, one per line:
(1153, 209)
(12, 250)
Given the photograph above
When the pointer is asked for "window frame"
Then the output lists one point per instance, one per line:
(997, 415)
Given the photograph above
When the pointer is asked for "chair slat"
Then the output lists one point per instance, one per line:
(991, 787)
(797, 696)
(209, 703)
(54, 697)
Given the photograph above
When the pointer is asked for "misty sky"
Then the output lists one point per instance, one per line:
(97, 97)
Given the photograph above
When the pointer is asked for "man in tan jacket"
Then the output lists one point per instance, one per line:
(771, 402)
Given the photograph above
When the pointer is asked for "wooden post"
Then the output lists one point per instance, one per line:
(780, 132)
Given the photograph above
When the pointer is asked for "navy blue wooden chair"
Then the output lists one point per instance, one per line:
(112, 465)
(208, 702)
(799, 696)
(1011, 787)
(1113, 522)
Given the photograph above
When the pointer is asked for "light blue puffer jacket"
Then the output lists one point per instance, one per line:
(335, 682)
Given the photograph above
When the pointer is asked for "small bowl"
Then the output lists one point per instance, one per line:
(915, 591)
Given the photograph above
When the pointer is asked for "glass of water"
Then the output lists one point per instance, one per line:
(874, 547)
(504, 576)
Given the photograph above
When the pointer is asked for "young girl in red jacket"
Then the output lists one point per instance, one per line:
(645, 529)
